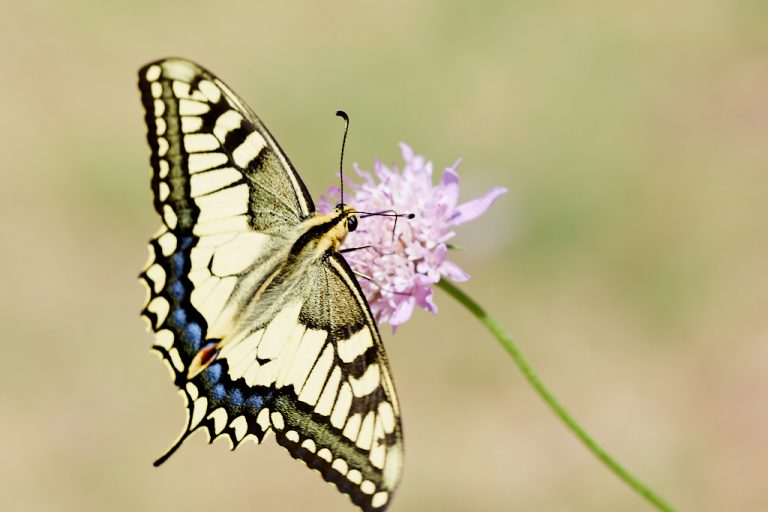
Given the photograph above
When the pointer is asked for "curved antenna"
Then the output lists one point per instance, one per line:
(345, 117)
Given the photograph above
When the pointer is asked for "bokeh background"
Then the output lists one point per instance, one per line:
(628, 259)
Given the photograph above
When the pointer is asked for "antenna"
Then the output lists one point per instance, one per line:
(345, 117)
(388, 213)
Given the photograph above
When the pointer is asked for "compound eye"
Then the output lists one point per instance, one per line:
(352, 223)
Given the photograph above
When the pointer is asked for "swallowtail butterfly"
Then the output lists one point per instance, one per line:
(257, 315)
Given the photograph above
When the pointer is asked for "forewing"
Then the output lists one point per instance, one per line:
(216, 167)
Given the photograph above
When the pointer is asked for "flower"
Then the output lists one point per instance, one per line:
(402, 262)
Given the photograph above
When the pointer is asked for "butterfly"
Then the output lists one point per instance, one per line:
(257, 315)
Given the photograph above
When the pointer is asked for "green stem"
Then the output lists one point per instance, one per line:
(551, 401)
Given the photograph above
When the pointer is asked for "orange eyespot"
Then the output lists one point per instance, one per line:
(203, 358)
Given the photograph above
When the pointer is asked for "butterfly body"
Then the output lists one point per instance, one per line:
(256, 313)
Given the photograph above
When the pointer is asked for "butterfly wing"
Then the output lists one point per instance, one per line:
(204, 140)
(230, 200)
(334, 404)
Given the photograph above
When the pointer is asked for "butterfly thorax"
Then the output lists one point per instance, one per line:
(323, 233)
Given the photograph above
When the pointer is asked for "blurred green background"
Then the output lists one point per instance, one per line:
(628, 259)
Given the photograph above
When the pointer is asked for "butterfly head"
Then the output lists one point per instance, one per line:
(348, 215)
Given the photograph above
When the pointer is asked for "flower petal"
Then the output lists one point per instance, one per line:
(450, 175)
(406, 151)
(476, 207)
(453, 272)
(448, 193)
(424, 298)
(403, 312)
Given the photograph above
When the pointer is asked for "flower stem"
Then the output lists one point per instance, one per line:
(550, 400)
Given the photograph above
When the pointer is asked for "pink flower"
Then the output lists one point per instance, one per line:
(403, 264)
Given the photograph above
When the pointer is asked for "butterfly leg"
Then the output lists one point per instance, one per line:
(372, 280)
(352, 249)
(364, 276)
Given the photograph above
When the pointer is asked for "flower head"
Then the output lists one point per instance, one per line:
(404, 262)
